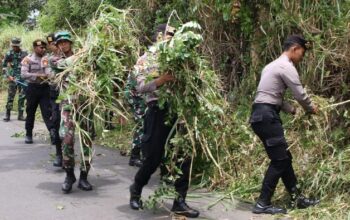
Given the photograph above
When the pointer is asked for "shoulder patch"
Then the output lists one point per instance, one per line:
(26, 60)
(44, 61)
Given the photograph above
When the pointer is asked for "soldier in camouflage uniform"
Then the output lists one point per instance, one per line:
(12, 71)
(138, 108)
(59, 62)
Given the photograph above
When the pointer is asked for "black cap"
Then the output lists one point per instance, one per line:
(39, 43)
(296, 39)
(50, 38)
(165, 29)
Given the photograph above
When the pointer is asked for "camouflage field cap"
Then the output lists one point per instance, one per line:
(15, 42)
(63, 35)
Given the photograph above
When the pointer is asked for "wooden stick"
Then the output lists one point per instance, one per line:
(336, 104)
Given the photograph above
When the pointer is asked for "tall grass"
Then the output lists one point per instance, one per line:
(99, 69)
(27, 37)
(320, 144)
(238, 49)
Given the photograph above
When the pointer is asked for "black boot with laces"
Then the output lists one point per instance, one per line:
(181, 208)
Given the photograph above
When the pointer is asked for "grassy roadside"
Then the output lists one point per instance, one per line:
(118, 138)
(335, 207)
(14, 111)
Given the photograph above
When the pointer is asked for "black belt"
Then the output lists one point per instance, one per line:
(152, 104)
(266, 106)
(38, 84)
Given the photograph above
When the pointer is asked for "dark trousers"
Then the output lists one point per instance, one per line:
(38, 94)
(153, 144)
(55, 107)
(55, 118)
(267, 125)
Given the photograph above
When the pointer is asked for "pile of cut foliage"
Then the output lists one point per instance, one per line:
(98, 71)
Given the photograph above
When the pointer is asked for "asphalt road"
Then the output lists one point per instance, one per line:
(30, 187)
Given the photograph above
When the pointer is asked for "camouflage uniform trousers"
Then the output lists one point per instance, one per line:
(12, 89)
(138, 108)
(67, 130)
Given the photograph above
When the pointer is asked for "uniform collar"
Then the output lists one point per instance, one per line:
(36, 56)
(286, 58)
(12, 51)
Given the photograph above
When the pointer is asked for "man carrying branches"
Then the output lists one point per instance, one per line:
(156, 131)
(71, 118)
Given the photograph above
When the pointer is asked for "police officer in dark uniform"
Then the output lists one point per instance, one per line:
(265, 120)
(156, 131)
(54, 106)
(38, 91)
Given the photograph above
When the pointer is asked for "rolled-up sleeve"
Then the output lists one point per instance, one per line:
(4, 65)
(143, 87)
(287, 107)
(6, 60)
(292, 80)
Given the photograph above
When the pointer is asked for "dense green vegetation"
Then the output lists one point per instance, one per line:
(239, 38)
(12, 11)
(8, 32)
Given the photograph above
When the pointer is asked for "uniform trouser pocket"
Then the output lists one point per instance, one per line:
(149, 122)
(269, 129)
(277, 148)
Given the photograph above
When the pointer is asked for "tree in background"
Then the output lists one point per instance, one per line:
(56, 13)
(14, 11)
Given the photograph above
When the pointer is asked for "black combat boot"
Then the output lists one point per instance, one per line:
(20, 116)
(7, 115)
(181, 208)
(58, 160)
(266, 208)
(28, 138)
(83, 183)
(135, 161)
(135, 197)
(68, 182)
(299, 201)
